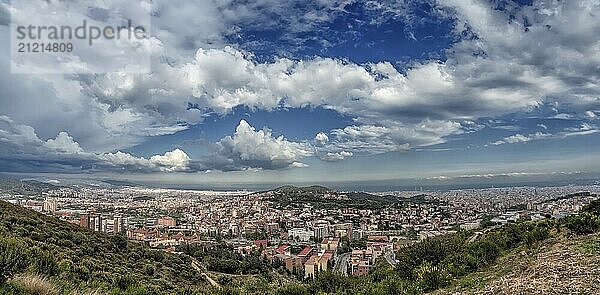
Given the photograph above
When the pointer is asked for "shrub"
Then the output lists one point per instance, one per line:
(585, 223)
(430, 277)
(13, 258)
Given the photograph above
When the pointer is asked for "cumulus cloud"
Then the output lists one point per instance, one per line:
(64, 143)
(582, 129)
(393, 136)
(332, 157)
(504, 60)
(251, 148)
(516, 138)
(22, 150)
(321, 138)
(175, 160)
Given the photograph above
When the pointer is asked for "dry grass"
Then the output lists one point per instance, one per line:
(560, 266)
(86, 293)
(35, 284)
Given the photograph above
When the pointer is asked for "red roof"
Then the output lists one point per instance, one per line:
(281, 249)
(305, 251)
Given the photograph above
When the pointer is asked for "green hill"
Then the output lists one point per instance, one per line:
(68, 258)
(323, 197)
(24, 187)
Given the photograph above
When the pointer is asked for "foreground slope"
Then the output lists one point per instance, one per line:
(561, 265)
(72, 259)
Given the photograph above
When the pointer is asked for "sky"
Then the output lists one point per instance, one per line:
(290, 91)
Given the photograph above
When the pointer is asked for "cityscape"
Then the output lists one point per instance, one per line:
(306, 238)
(299, 147)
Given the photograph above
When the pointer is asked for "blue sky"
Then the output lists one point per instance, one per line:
(265, 91)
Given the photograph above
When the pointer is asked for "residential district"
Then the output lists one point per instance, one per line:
(305, 238)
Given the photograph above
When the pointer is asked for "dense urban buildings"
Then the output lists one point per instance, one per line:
(304, 237)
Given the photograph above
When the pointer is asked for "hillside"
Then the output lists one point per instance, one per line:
(76, 259)
(24, 187)
(563, 265)
(323, 197)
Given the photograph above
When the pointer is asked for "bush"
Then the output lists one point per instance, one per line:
(430, 277)
(13, 258)
(293, 289)
(583, 224)
(43, 262)
(592, 208)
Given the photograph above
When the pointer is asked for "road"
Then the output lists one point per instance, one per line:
(341, 263)
(198, 267)
(477, 234)
(390, 257)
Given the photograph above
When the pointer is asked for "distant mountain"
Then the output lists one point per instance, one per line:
(305, 189)
(115, 182)
(24, 187)
(67, 256)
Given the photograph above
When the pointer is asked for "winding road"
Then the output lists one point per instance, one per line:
(198, 267)
(390, 258)
(341, 263)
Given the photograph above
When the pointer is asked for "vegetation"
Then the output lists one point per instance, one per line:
(325, 198)
(73, 258)
(42, 255)
(24, 187)
(224, 259)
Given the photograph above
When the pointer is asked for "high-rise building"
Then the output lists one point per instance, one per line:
(50, 205)
(84, 220)
(118, 224)
(95, 222)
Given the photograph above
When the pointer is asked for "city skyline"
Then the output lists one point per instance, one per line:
(275, 92)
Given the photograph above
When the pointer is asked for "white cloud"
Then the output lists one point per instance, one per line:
(175, 160)
(260, 149)
(298, 165)
(392, 136)
(22, 149)
(582, 129)
(517, 138)
(64, 143)
(552, 59)
(321, 138)
(332, 157)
